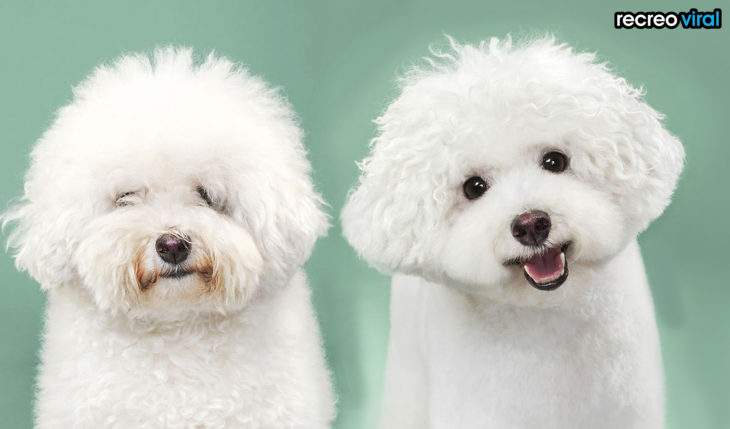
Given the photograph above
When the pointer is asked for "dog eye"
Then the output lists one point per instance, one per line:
(475, 187)
(125, 199)
(554, 162)
(205, 196)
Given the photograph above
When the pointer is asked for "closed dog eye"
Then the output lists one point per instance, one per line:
(208, 200)
(204, 195)
(128, 198)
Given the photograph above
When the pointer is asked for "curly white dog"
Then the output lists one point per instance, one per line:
(167, 212)
(506, 189)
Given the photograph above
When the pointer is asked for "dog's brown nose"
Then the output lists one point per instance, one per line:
(531, 228)
(172, 249)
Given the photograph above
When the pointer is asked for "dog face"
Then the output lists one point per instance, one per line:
(166, 186)
(511, 171)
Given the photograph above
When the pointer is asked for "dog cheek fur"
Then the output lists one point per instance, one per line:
(109, 258)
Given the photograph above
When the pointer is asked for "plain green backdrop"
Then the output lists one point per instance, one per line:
(337, 62)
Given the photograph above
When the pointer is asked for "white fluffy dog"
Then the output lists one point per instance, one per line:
(506, 188)
(167, 213)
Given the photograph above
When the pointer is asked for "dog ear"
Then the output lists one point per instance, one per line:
(294, 225)
(395, 208)
(39, 240)
(640, 159)
(662, 160)
(288, 217)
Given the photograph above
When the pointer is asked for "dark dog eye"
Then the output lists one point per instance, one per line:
(204, 196)
(555, 162)
(475, 187)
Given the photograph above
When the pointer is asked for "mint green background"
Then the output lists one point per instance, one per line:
(337, 62)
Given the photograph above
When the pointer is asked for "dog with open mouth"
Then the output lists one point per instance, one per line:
(505, 191)
(167, 213)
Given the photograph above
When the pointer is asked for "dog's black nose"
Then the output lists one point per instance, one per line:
(531, 228)
(172, 249)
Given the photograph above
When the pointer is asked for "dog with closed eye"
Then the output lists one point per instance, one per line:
(167, 213)
(505, 191)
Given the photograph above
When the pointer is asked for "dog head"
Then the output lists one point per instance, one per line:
(500, 166)
(167, 185)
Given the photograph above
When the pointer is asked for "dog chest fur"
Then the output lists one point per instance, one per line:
(262, 367)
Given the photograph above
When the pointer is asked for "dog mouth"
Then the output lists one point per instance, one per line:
(202, 268)
(546, 270)
(177, 274)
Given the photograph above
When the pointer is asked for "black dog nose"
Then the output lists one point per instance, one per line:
(172, 249)
(531, 228)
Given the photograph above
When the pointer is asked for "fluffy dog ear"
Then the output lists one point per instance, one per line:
(290, 218)
(662, 160)
(298, 223)
(389, 216)
(641, 161)
(40, 243)
(44, 223)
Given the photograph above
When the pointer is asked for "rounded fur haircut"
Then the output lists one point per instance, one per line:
(616, 142)
(146, 124)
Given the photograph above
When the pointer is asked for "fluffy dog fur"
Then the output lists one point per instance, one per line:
(473, 344)
(207, 153)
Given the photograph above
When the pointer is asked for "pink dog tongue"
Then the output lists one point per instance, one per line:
(545, 268)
